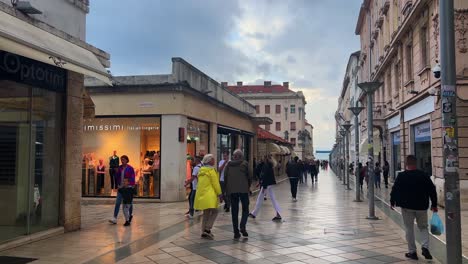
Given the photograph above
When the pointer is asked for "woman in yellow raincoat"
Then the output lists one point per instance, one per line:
(208, 194)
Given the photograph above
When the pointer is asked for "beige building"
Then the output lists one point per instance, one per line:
(400, 44)
(285, 107)
(178, 115)
(43, 60)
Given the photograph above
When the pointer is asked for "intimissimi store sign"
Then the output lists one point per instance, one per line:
(20, 69)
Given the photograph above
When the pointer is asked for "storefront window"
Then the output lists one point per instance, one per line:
(197, 138)
(31, 128)
(422, 146)
(106, 139)
(30, 139)
(396, 153)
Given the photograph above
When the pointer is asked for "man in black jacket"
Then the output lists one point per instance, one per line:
(294, 172)
(412, 191)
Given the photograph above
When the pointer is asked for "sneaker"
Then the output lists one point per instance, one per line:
(113, 221)
(226, 210)
(244, 233)
(127, 223)
(130, 219)
(264, 198)
(411, 255)
(294, 199)
(252, 216)
(276, 218)
(237, 235)
(189, 216)
(426, 253)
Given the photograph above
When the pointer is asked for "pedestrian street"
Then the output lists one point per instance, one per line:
(323, 226)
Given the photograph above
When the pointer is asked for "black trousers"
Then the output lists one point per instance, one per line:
(244, 199)
(293, 182)
(227, 202)
(112, 178)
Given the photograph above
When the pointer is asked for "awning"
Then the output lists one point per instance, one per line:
(273, 149)
(22, 38)
(285, 150)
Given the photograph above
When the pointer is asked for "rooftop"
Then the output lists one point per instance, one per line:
(267, 87)
(263, 134)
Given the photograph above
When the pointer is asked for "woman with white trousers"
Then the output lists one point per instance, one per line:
(267, 180)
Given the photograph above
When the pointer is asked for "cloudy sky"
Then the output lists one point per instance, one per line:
(305, 42)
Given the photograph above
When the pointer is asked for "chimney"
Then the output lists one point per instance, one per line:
(224, 84)
(286, 85)
(239, 83)
(267, 83)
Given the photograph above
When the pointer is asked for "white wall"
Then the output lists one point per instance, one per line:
(61, 14)
(173, 165)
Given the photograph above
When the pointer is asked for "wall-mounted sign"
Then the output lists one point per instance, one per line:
(24, 70)
(422, 132)
(396, 138)
(146, 104)
(118, 127)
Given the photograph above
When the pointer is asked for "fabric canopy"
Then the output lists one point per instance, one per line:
(272, 148)
(22, 38)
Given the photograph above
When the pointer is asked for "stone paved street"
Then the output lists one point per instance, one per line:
(323, 226)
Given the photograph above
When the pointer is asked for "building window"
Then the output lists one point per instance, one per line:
(293, 141)
(267, 127)
(257, 109)
(409, 61)
(267, 109)
(278, 126)
(293, 126)
(300, 113)
(424, 42)
(293, 109)
(278, 109)
(422, 146)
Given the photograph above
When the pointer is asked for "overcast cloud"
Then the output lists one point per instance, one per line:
(305, 42)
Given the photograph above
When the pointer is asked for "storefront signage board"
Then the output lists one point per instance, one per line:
(17, 68)
(422, 132)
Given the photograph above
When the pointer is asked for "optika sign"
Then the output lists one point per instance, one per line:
(21, 69)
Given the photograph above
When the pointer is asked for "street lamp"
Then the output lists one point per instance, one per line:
(346, 126)
(369, 88)
(337, 157)
(356, 110)
(343, 149)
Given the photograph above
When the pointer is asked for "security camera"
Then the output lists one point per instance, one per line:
(436, 70)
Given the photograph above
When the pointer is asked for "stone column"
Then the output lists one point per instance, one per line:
(214, 140)
(173, 158)
(71, 182)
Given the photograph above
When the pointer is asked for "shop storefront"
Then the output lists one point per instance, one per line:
(31, 136)
(422, 146)
(197, 138)
(106, 139)
(230, 139)
(396, 153)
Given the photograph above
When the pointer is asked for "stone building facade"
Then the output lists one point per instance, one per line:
(43, 62)
(399, 45)
(285, 107)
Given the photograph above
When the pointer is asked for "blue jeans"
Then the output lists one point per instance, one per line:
(118, 202)
(192, 202)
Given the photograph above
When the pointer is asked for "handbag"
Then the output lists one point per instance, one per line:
(437, 227)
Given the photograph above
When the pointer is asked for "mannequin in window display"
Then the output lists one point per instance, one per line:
(101, 173)
(156, 171)
(92, 174)
(114, 163)
(146, 172)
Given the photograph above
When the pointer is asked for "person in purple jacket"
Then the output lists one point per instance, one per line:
(124, 171)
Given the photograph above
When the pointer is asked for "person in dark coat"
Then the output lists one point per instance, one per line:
(267, 181)
(412, 191)
(386, 170)
(294, 172)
